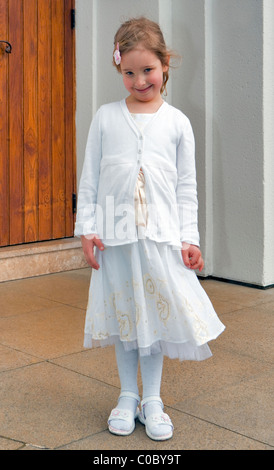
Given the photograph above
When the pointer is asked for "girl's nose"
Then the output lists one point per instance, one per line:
(140, 81)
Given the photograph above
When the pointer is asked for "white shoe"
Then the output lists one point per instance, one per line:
(124, 415)
(154, 421)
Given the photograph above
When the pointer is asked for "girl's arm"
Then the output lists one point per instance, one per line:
(187, 200)
(186, 191)
(88, 244)
(87, 193)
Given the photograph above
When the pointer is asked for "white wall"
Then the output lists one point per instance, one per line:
(268, 107)
(224, 85)
(238, 151)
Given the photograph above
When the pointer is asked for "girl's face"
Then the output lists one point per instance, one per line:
(142, 73)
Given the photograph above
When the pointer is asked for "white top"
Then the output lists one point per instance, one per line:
(140, 202)
(142, 120)
(116, 150)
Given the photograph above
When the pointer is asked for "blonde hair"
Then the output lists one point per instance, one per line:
(142, 30)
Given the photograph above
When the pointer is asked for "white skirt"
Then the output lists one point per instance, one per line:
(145, 296)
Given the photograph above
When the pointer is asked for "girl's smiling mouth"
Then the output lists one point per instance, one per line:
(143, 90)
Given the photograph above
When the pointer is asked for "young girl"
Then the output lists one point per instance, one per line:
(137, 218)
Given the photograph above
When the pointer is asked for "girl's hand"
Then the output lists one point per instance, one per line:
(192, 256)
(88, 244)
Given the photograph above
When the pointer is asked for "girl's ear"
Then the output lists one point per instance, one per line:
(166, 66)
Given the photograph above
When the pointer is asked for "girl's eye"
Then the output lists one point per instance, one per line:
(148, 70)
(129, 73)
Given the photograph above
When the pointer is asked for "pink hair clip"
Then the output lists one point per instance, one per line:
(117, 55)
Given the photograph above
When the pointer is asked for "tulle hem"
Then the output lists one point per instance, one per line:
(183, 351)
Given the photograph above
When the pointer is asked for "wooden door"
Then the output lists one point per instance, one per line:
(37, 150)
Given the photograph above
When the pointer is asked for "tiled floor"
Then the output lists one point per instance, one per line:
(56, 395)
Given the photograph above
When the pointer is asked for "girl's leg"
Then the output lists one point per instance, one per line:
(151, 371)
(127, 363)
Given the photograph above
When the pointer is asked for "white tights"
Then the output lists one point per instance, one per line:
(151, 372)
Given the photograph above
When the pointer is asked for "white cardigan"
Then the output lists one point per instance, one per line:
(116, 150)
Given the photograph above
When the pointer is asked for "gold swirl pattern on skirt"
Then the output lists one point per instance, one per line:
(125, 325)
(163, 308)
(149, 285)
(161, 303)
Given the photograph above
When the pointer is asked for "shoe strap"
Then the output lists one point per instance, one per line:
(130, 395)
(162, 418)
(152, 398)
(124, 415)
